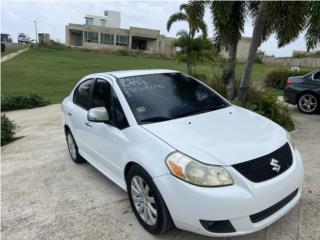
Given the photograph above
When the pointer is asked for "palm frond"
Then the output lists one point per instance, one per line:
(183, 6)
(228, 21)
(313, 26)
(179, 16)
(286, 19)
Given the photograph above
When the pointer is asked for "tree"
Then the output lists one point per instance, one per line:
(228, 21)
(286, 20)
(192, 13)
(193, 50)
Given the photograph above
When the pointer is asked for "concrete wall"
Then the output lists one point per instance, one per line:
(290, 61)
(114, 18)
(242, 51)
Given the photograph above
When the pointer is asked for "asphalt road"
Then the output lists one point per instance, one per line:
(46, 196)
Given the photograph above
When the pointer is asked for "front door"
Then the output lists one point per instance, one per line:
(107, 140)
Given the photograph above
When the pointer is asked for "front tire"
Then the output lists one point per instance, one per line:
(147, 203)
(73, 148)
(308, 103)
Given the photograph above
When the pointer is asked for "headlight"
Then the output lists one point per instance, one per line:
(290, 140)
(197, 173)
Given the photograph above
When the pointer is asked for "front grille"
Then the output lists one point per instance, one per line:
(257, 217)
(261, 169)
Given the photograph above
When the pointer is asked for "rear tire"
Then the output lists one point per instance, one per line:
(73, 148)
(147, 202)
(308, 103)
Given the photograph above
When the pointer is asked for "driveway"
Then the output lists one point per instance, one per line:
(46, 196)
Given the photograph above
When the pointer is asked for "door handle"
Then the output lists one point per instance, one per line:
(86, 123)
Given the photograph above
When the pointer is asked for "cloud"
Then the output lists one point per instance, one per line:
(53, 16)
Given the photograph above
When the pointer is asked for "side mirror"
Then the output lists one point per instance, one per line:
(98, 114)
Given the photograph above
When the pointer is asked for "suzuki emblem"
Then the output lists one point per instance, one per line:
(276, 166)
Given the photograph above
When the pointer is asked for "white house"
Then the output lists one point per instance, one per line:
(110, 19)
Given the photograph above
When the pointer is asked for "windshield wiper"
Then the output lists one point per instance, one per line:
(155, 119)
(199, 110)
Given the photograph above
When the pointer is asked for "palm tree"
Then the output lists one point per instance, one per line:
(192, 13)
(228, 21)
(193, 50)
(286, 20)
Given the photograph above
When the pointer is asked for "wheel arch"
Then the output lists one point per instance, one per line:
(306, 92)
(66, 128)
(128, 166)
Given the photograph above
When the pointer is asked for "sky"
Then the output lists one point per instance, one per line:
(52, 16)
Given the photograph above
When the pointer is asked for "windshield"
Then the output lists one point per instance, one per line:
(166, 96)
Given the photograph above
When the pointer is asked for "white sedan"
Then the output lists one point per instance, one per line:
(185, 155)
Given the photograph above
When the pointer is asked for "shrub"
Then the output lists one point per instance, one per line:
(9, 103)
(258, 59)
(51, 45)
(278, 78)
(7, 129)
(125, 52)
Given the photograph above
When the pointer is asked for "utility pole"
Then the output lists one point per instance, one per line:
(35, 28)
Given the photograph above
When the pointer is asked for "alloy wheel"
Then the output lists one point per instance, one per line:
(143, 200)
(308, 103)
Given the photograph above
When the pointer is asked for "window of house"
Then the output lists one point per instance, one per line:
(89, 21)
(81, 94)
(122, 40)
(91, 37)
(103, 22)
(106, 38)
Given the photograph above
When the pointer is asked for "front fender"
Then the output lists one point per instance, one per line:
(147, 150)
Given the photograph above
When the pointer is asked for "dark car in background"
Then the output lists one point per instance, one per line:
(304, 91)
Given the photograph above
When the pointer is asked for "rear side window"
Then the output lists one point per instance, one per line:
(82, 93)
(316, 76)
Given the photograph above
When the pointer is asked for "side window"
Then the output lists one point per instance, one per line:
(81, 94)
(316, 76)
(101, 96)
(120, 120)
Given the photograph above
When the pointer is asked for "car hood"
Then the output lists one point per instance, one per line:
(223, 137)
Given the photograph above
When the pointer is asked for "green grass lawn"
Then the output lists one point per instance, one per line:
(53, 73)
(13, 49)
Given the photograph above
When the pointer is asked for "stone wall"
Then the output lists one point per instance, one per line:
(293, 62)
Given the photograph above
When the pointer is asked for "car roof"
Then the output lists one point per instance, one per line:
(130, 73)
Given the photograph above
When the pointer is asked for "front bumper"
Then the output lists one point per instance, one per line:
(188, 204)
